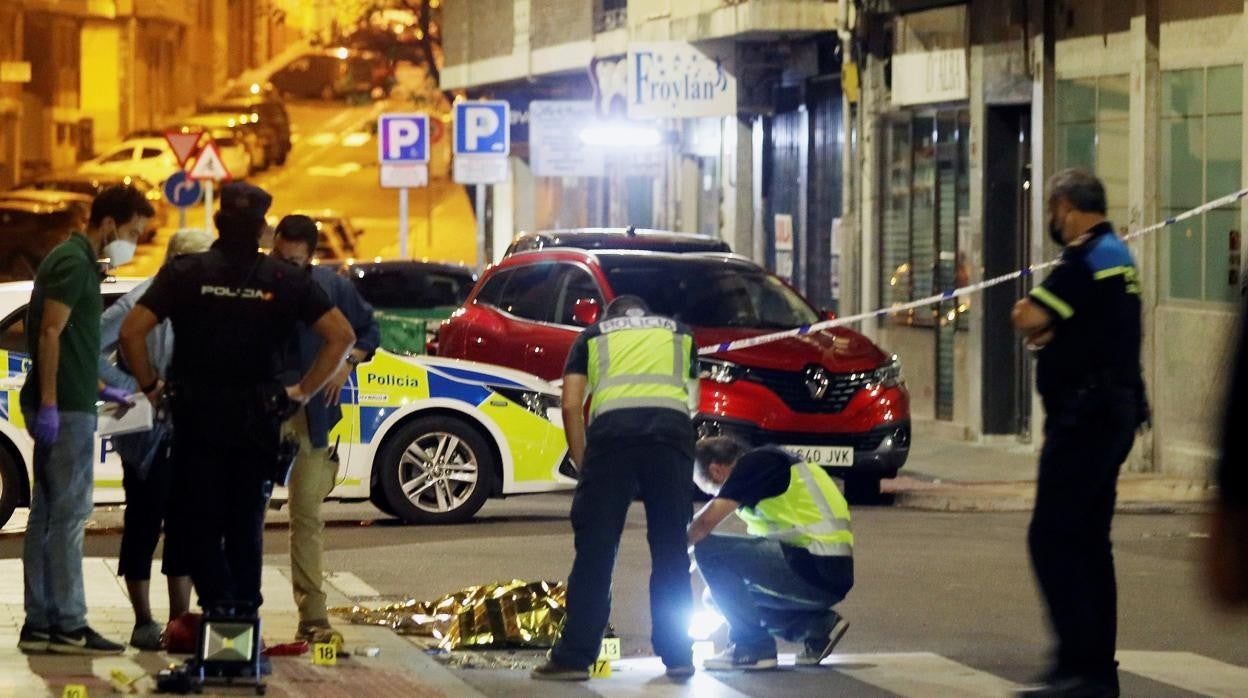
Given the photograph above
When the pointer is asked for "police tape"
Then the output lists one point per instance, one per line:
(955, 293)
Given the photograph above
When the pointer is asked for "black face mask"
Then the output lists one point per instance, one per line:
(1055, 233)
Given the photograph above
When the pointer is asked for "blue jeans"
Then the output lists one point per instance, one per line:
(59, 507)
(760, 595)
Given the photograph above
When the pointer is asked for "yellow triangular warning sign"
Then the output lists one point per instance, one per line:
(209, 165)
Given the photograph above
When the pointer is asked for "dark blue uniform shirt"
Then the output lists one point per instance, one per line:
(1093, 298)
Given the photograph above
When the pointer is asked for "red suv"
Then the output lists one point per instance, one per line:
(831, 395)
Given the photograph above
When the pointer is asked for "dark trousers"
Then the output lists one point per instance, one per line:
(1086, 440)
(221, 492)
(761, 596)
(147, 501)
(613, 474)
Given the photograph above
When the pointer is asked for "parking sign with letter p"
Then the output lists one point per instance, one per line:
(482, 128)
(403, 138)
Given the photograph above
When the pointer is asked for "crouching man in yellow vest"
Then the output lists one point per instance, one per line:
(796, 563)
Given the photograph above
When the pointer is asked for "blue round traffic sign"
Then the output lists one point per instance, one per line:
(181, 191)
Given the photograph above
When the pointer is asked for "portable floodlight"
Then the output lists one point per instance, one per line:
(229, 642)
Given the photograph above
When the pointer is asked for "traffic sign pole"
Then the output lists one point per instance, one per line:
(403, 152)
(482, 144)
(403, 223)
(181, 218)
(208, 187)
(481, 259)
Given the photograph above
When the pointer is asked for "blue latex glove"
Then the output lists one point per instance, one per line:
(120, 396)
(47, 425)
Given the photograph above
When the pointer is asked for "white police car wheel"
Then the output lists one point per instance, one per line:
(436, 470)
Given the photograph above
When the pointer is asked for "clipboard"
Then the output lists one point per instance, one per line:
(115, 420)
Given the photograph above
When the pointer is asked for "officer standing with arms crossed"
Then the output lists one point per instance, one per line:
(641, 373)
(234, 312)
(315, 470)
(1085, 321)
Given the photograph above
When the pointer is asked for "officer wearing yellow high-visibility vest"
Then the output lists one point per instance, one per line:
(640, 372)
(796, 563)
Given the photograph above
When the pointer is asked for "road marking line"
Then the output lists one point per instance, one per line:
(644, 677)
(1191, 672)
(322, 139)
(919, 674)
(350, 585)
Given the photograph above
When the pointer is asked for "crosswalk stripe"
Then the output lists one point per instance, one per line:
(1191, 672)
(919, 674)
(644, 677)
(351, 585)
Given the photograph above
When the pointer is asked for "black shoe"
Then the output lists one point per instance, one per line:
(817, 649)
(33, 640)
(680, 672)
(1071, 687)
(84, 640)
(554, 671)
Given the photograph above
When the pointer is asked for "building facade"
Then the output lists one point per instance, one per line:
(884, 151)
(765, 173)
(967, 109)
(78, 75)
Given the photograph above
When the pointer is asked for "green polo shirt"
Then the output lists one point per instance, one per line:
(68, 274)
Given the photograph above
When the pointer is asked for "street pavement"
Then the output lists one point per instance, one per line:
(944, 602)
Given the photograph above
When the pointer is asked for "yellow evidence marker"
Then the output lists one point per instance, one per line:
(609, 652)
(325, 654)
(74, 690)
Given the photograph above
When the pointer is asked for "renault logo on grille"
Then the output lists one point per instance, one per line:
(817, 382)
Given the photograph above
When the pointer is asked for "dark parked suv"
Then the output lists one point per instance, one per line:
(831, 395)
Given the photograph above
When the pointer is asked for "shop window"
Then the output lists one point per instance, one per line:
(1201, 159)
(925, 204)
(1093, 121)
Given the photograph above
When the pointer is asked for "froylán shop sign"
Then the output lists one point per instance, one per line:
(677, 80)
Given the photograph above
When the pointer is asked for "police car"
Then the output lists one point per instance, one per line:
(425, 439)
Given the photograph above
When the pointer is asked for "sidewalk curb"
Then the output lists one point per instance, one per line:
(1136, 495)
(396, 651)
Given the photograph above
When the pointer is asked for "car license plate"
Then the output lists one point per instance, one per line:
(830, 456)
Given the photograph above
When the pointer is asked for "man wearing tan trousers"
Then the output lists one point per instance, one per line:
(315, 470)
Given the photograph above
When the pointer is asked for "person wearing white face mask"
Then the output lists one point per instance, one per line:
(58, 402)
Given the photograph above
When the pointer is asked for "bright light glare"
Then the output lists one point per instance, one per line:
(703, 624)
(620, 136)
(343, 53)
(255, 88)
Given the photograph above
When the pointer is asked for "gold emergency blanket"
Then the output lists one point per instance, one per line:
(499, 615)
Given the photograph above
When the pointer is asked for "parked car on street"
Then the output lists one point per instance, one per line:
(147, 157)
(239, 128)
(29, 229)
(411, 299)
(337, 225)
(425, 439)
(333, 73)
(616, 239)
(92, 184)
(266, 113)
(831, 395)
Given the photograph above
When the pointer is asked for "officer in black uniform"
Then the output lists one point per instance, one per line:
(1085, 322)
(234, 311)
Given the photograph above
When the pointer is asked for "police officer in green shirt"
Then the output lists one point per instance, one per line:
(640, 371)
(796, 563)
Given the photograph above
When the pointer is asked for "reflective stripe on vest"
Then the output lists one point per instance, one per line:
(639, 362)
(811, 514)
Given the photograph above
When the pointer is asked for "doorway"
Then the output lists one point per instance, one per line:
(1007, 216)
